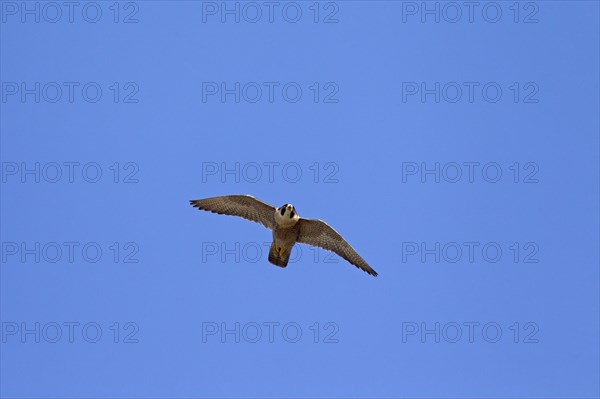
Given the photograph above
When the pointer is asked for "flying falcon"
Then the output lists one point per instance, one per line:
(288, 228)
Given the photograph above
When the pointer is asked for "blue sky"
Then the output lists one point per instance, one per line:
(455, 148)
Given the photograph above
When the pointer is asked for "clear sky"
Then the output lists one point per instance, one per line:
(454, 145)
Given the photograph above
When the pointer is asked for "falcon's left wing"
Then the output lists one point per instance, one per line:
(320, 234)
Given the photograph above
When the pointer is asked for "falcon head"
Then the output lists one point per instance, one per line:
(286, 214)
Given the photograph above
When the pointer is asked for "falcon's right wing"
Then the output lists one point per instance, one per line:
(245, 206)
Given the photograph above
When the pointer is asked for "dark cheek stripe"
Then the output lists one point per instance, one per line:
(291, 214)
(282, 211)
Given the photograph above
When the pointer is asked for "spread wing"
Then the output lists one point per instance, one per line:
(320, 234)
(245, 206)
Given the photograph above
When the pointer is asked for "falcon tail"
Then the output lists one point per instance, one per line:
(278, 255)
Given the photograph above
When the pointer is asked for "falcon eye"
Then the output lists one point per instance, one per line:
(282, 211)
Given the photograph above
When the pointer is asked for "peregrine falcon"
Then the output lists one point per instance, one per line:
(288, 228)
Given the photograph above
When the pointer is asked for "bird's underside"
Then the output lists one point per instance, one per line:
(284, 240)
(288, 228)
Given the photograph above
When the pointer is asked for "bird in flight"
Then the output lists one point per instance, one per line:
(288, 228)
